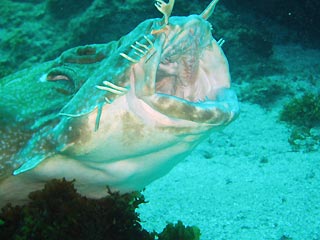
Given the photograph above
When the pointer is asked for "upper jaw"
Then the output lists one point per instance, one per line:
(184, 68)
(190, 76)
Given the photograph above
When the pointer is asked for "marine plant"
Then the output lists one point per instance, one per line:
(303, 111)
(304, 114)
(60, 212)
(179, 232)
(305, 139)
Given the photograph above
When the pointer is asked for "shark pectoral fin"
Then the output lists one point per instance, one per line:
(37, 149)
(30, 164)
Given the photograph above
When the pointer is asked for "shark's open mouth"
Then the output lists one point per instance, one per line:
(192, 74)
(183, 72)
(185, 77)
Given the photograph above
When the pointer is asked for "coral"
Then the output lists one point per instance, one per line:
(304, 111)
(59, 212)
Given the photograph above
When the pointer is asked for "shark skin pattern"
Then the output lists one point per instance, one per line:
(120, 114)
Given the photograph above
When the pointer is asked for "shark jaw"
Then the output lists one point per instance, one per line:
(187, 76)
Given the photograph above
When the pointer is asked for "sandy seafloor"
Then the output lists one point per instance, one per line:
(245, 182)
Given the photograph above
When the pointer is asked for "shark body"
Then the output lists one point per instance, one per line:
(120, 114)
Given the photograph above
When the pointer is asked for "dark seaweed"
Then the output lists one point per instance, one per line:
(304, 111)
(59, 212)
(179, 232)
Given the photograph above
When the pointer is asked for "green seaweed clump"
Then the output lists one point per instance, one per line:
(304, 111)
(305, 139)
(179, 232)
(304, 114)
(59, 212)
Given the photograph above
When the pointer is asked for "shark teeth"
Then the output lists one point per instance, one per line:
(110, 87)
(140, 50)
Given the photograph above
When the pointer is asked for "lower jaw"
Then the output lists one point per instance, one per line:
(207, 112)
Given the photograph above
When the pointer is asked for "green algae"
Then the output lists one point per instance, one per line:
(59, 212)
(179, 232)
(304, 115)
(303, 111)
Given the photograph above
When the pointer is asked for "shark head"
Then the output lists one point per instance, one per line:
(138, 106)
(181, 71)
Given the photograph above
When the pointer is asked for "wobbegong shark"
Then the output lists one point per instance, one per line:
(120, 114)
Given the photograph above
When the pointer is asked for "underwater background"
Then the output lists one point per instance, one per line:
(260, 177)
